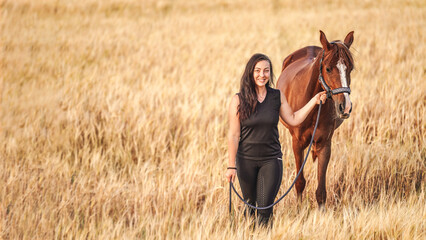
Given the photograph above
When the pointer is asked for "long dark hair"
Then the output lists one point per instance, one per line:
(248, 94)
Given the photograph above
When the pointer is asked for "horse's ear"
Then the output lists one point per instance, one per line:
(349, 39)
(325, 44)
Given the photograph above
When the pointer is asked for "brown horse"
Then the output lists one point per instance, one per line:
(305, 73)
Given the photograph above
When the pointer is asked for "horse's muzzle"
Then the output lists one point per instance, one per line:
(343, 112)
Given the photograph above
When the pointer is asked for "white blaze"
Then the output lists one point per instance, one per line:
(342, 70)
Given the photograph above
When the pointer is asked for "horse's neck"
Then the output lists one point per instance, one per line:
(314, 85)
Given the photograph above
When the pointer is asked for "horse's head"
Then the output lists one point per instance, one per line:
(336, 67)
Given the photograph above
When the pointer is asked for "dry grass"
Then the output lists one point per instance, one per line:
(113, 118)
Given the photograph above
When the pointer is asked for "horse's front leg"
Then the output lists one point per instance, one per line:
(324, 152)
(298, 155)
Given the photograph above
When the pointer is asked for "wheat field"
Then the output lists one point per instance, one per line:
(114, 118)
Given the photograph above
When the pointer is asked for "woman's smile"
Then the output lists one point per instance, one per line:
(261, 73)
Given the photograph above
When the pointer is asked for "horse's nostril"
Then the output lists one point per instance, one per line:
(341, 107)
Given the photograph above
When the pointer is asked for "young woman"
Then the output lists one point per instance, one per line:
(254, 150)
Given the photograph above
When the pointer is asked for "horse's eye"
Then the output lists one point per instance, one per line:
(328, 70)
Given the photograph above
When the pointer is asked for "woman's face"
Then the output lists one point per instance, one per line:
(261, 73)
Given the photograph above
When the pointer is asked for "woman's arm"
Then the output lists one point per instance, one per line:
(233, 136)
(295, 118)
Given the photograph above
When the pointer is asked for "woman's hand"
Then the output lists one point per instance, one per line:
(230, 174)
(321, 96)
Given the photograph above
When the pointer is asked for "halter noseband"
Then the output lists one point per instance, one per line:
(330, 92)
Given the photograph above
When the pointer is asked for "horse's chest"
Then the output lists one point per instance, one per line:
(323, 133)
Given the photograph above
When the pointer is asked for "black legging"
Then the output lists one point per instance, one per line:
(260, 182)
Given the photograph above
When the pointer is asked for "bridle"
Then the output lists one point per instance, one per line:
(330, 92)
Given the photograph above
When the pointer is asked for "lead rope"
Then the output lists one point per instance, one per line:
(297, 176)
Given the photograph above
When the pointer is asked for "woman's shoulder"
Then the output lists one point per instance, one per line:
(275, 92)
(235, 98)
(276, 96)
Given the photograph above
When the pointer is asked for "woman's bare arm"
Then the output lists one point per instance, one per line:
(233, 135)
(295, 118)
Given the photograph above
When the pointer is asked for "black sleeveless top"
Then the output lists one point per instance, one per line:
(259, 139)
